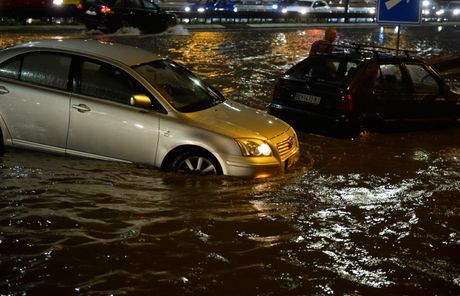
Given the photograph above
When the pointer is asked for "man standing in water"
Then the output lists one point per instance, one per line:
(324, 45)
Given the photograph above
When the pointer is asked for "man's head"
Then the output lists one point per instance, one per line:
(330, 34)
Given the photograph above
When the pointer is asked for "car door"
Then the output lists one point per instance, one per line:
(135, 13)
(103, 124)
(392, 95)
(429, 93)
(34, 100)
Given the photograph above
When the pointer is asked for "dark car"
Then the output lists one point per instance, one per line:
(110, 15)
(364, 89)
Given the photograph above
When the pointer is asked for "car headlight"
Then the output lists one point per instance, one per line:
(187, 9)
(254, 147)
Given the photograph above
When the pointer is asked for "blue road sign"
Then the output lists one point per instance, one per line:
(398, 11)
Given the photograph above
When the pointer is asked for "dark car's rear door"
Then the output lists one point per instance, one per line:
(435, 103)
(391, 99)
(141, 14)
(408, 93)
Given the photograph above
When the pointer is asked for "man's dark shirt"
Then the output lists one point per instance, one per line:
(321, 46)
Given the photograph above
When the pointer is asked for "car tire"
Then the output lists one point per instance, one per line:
(195, 162)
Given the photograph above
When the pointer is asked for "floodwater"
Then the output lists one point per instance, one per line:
(376, 214)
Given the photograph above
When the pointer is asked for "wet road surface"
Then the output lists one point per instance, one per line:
(376, 214)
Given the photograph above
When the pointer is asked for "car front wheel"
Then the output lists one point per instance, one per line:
(196, 163)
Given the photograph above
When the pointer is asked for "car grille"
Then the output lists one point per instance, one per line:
(288, 144)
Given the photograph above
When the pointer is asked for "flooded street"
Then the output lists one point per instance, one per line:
(376, 214)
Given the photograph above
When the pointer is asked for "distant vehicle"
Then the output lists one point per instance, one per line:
(37, 8)
(305, 6)
(120, 103)
(432, 11)
(452, 11)
(212, 5)
(110, 15)
(364, 89)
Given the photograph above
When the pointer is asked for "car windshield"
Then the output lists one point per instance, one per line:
(183, 90)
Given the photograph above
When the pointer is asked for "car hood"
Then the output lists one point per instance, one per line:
(239, 121)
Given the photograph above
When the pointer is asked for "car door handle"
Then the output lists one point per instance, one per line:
(4, 90)
(81, 108)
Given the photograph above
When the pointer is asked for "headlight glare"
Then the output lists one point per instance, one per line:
(254, 147)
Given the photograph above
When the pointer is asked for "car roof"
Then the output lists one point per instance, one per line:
(371, 56)
(125, 54)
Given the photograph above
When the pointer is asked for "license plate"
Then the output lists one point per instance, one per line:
(90, 12)
(307, 98)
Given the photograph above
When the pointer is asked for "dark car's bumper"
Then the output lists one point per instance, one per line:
(338, 123)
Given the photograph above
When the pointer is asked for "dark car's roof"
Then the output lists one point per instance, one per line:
(364, 57)
(369, 53)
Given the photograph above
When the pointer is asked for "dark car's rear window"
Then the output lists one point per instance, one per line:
(322, 67)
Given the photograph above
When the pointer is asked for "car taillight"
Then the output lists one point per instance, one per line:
(105, 9)
(345, 103)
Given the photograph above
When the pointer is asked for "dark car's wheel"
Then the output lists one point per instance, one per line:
(196, 162)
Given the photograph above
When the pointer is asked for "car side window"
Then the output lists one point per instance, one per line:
(107, 82)
(150, 5)
(118, 4)
(47, 69)
(390, 79)
(11, 68)
(422, 80)
(134, 4)
(319, 4)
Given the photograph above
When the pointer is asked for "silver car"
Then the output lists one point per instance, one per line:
(306, 6)
(120, 103)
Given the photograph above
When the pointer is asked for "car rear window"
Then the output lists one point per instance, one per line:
(326, 68)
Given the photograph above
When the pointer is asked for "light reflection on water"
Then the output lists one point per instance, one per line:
(374, 214)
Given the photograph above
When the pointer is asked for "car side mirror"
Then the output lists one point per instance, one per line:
(140, 100)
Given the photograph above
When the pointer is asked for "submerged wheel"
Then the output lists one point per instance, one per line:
(196, 163)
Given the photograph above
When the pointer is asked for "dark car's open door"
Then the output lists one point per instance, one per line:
(448, 67)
